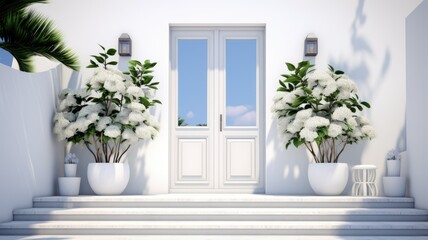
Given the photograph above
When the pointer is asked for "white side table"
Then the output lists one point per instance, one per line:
(364, 177)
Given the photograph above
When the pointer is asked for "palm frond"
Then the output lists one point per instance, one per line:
(16, 5)
(26, 33)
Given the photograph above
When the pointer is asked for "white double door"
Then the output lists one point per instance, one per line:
(217, 117)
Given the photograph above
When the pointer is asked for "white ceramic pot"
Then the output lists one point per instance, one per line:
(69, 186)
(394, 186)
(328, 178)
(108, 178)
(70, 170)
(393, 167)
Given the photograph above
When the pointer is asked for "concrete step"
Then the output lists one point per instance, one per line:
(221, 201)
(222, 214)
(335, 228)
(212, 237)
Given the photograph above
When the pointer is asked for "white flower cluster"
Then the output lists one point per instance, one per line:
(342, 123)
(132, 122)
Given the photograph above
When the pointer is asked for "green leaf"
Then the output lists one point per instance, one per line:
(331, 68)
(112, 63)
(281, 89)
(366, 104)
(307, 90)
(290, 67)
(92, 66)
(339, 72)
(157, 101)
(99, 59)
(145, 102)
(282, 84)
(111, 51)
(298, 101)
(102, 47)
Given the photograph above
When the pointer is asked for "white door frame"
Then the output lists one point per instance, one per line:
(213, 179)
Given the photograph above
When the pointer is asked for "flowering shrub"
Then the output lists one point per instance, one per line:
(111, 112)
(318, 108)
(71, 159)
(393, 155)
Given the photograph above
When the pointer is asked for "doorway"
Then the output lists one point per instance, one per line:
(217, 110)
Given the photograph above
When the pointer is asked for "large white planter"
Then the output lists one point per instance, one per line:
(69, 186)
(393, 167)
(328, 178)
(70, 170)
(394, 186)
(108, 178)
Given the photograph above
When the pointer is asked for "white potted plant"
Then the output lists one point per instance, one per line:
(320, 110)
(393, 163)
(70, 165)
(108, 115)
(394, 185)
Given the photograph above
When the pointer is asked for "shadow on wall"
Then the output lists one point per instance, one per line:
(289, 167)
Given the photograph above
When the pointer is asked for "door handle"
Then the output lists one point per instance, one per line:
(221, 122)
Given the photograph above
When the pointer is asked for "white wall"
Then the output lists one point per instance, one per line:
(417, 109)
(364, 38)
(30, 157)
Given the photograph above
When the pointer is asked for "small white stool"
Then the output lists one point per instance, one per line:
(364, 177)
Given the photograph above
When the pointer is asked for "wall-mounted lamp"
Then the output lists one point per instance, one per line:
(311, 45)
(125, 45)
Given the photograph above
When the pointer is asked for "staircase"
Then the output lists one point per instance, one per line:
(220, 214)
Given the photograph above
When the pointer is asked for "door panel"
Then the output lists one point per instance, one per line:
(216, 90)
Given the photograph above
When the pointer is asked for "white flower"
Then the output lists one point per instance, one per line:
(320, 75)
(61, 121)
(70, 130)
(151, 121)
(295, 126)
(130, 136)
(317, 91)
(82, 124)
(135, 91)
(363, 120)
(123, 116)
(286, 137)
(308, 134)
(368, 131)
(136, 117)
(143, 132)
(352, 122)
(314, 122)
(341, 113)
(93, 117)
(114, 85)
(330, 88)
(303, 115)
(64, 93)
(136, 106)
(102, 123)
(112, 131)
(346, 84)
(279, 95)
(334, 130)
(283, 123)
(344, 94)
(87, 110)
(356, 133)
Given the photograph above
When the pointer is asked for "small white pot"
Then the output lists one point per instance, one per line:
(108, 178)
(393, 167)
(328, 178)
(70, 169)
(69, 186)
(394, 186)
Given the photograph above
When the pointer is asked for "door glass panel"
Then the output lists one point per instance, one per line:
(192, 82)
(241, 82)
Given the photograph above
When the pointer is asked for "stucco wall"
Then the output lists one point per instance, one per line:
(417, 109)
(366, 39)
(30, 157)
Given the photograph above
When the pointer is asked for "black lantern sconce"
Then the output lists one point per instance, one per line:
(125, 45)
(311, 45)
